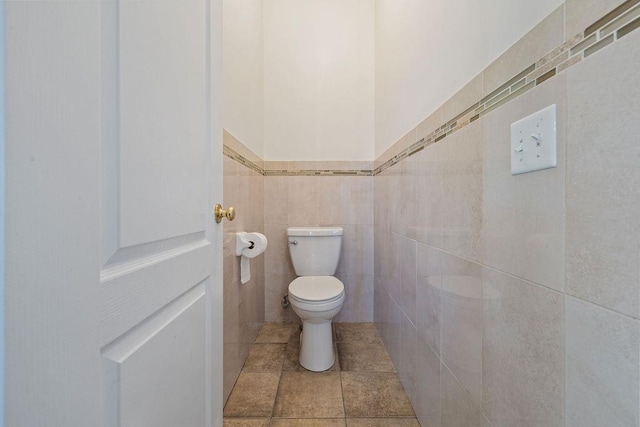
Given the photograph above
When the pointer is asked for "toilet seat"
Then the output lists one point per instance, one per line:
(316, 289)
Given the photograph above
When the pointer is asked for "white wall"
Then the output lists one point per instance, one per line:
(318, 79)
(243, 89)
(425, 51)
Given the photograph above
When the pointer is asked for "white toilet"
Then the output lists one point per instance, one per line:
(316, 296)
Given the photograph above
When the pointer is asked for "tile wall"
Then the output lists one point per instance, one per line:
(243, 303)
(269, 197)
(514, 300)
(320, 194)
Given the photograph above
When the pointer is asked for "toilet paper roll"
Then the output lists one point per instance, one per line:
(245, 270)
(252, 244)
(257, 244)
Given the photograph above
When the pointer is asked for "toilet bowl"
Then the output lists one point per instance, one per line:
(316, 300)
(316, 296)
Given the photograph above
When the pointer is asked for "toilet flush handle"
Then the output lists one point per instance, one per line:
(293, 242)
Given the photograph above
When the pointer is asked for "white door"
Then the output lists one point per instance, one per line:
(113, 293)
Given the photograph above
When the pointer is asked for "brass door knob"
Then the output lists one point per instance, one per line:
(229, 213)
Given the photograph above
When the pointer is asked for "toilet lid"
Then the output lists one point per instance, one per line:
(316, 288)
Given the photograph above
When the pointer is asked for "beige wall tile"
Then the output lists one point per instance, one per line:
(461, 172)
(276, 287)
(485, 422)
(379, 245)
(232, 142)
(427, 381)
(379, 308)
(394, 319)
(431, 123)
(236, 194)
(404, 142)
(395, 198)
(358, 303)
(394, 277)
(462, 323)
(229, 169)
(244, 304)
(523, 215)
(255, 205)
(276, 199)
(359, 249)
(428, 295)
(349, 244)
(277, 165)
(333, 199)
(303, 201)
(401, 144)
(232, 360)
(545, 36)
(603, 379)
(522, 364)
(429, 196)
(381, 200)
(463, 99)
(603, 201)
(276, 257)
(407, 210)
(408, 348)
(306, 165)
(382, 259)
(582, 13)
(574, 228)
(360, 202)
(457, 408)
(408, 278)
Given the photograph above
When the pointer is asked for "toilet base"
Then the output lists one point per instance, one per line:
(316, 347)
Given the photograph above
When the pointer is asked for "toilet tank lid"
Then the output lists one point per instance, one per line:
(314, 231)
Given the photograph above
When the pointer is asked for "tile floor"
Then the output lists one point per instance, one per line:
(360, 390)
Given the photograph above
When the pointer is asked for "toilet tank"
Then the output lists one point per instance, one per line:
(315, 251)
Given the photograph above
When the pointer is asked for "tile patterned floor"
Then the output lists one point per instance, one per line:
(360, 390)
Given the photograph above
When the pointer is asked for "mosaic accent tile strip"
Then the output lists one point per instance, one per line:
(611, 27)
(233, 155)
(611, 16)
(314, 172)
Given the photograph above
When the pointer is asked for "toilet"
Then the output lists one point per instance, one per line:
(315, 295)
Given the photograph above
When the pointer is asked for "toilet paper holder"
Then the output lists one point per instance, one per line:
(242, 242)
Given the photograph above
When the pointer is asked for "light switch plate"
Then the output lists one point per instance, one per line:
(533, 142)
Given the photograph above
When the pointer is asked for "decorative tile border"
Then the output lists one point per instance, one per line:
(611, 27)
(234, 155)
(317, 172)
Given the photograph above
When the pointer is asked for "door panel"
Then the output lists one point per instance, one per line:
(134, 291)
(154, 373)
(157, 271)
(163, 152)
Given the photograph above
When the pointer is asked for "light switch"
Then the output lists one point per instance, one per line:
(533, 142)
